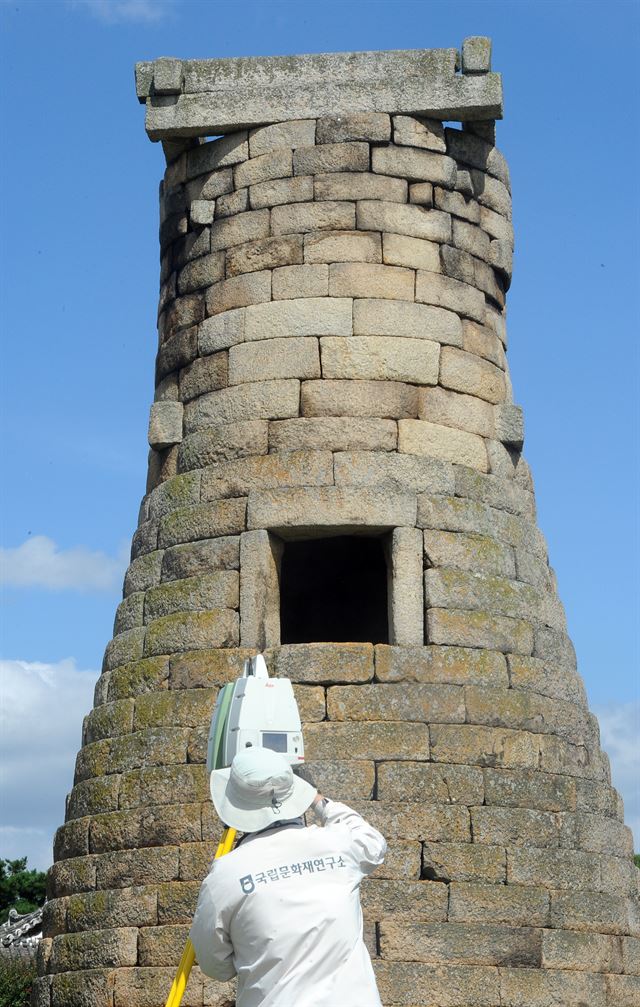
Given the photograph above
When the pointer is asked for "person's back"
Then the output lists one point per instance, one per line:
(282, 911)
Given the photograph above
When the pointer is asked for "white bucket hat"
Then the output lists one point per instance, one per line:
(258, 790)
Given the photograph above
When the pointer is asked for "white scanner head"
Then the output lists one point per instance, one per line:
(255, 711)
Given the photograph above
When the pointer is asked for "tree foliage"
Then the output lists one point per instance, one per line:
(20, 888)
(16, 980)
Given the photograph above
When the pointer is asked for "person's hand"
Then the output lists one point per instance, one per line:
(318, 799)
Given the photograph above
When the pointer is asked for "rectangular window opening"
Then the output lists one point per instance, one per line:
(334, 590)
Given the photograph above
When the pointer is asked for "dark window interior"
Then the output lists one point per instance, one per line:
(334, 590)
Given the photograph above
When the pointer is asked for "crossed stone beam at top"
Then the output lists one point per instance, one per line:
(210, 97)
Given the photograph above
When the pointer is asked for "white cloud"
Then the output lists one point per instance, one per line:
(38, 562)
(620, 735)
(118, 11)
(42, 707)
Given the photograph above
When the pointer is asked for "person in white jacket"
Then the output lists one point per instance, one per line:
(282, 910)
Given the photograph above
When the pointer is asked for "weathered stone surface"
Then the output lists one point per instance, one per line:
(431, 784)
(457, 205)
(509, 425)
(455, 665)
(417, 165)
(217, 153)
(290, 282)
(491, 193)
(478, 553)
(177, 351)
(473, 745)
(463, 372)
(415, 984)
(356, 279)
(460, 943)
(281, 191)
(513, 905)
(348, 83)
(396, 218)
(239, 291)
(264, 254)
(415, 253)
(343, 156)
(332, 507)
(406, 602)
(458, 589)
(334, 434)
(91, 988)
(481, 341)
(241, 228)
(402, 861)
(387, 899)
(204, 521)
(298, 218)
(425, 133)
(342, 246)
(200, 669)
(211, 590)
(592, 912)
(358, 398)
(359, 185)
(129, 613)
(373, 317)
(295, 468)
(124, 648)
(206, 374)
(137, 677)
(259, 593)
(258, 400)
(274, 359)
(541, 987)
(95, 949)
(165, 424)
(264, 167)
(179, 491)
(433, 288)
(375, 740)
(128, 907)
(195, 558)
(202, 272)
(475, 151)
(420, 437)
(585, 952)
(221, 331)
(311, 316)
(469, 238)
(464, 862)
(223, 442)
(394, 471)
(498, 226)
(374, 126)
(323, 662)
(432, 703)
(380, 358)
(422, 194)
(529, 789)
(295, 133)
(192, 631)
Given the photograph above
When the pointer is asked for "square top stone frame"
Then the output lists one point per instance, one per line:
(211, 97)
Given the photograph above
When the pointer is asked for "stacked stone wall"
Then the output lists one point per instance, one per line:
(332, 360)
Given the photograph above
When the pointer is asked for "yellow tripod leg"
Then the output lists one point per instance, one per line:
(178, 987)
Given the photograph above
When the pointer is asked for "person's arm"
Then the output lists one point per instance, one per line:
(368, 845)
(209, 936)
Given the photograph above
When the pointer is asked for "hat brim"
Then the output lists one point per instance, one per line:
(245, 818)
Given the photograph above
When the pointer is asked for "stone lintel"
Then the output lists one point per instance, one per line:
(211, 97)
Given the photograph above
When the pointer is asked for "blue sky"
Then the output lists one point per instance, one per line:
(79, 276)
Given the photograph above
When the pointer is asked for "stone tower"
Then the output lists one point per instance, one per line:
(336, 478)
